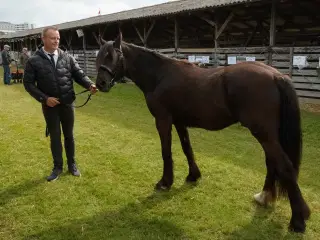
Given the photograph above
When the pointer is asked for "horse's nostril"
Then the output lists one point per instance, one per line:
(102, 83)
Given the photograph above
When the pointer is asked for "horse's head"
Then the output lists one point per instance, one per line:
(109, 64)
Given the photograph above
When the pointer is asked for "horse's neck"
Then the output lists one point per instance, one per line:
(142, 66)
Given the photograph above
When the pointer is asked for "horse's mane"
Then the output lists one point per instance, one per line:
(156, 53)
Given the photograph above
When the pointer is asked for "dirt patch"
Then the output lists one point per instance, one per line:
(310, 107)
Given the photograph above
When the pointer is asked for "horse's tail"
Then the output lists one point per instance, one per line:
(290, 135)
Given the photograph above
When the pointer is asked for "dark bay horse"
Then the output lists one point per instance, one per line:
(184, 95)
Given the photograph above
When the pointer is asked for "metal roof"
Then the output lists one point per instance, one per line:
(168, 8)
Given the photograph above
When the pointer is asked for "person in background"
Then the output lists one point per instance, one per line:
(48, 77)
(6, 61)
(24, 58)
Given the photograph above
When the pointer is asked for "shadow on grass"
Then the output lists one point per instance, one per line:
(263, 226)
(133, 221)
(22, 189)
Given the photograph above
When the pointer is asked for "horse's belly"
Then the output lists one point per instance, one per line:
(205, 120)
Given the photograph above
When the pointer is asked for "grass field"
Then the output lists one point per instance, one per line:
(118, 153)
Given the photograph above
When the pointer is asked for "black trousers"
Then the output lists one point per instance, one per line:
(60, 115)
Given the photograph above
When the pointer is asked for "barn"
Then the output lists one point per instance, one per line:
(282, 33)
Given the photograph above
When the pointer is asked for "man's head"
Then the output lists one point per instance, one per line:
(24, 50)
(6, 47)
(50, 38)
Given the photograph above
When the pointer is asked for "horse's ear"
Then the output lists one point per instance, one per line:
(101, 40)
(118, 41)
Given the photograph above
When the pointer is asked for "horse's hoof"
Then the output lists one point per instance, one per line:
(161, 186)
(192, 178)
(297, 226)
(263, 198)
(260, 198)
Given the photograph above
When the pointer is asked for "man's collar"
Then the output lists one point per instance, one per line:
(55, 52)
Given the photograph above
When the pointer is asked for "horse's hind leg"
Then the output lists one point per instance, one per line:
(194, 172)
(268, 193)
(287, 177)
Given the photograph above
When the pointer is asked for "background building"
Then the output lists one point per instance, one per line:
(7, 27)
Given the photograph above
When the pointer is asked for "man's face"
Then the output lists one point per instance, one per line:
(51, 40)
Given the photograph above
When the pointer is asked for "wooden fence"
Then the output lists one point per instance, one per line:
(301, 63)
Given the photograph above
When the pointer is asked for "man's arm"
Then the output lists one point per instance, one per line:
(2, 55)
(29, 83)
(78, 74)
(21, 60)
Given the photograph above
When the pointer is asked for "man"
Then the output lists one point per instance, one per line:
(24, 58)
(48, 78)
(6, 60)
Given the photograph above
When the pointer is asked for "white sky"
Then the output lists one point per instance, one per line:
(49, 12)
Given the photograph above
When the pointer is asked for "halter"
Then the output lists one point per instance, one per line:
(115, 73)
(112, 73)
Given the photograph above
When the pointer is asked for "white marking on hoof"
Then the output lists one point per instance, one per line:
(261, 198)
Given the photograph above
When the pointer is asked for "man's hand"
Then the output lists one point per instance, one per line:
(51, 101)
(93, 89)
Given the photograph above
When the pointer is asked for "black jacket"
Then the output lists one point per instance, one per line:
(6, 59)
(42, 80)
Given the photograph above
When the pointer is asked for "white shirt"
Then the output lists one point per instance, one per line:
(55, 57)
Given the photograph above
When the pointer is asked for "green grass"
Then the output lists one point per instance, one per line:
(118, 152)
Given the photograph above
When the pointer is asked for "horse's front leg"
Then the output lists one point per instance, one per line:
(194, 172)
(164, 127)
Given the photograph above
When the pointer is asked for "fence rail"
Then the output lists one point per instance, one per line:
(300, 63)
